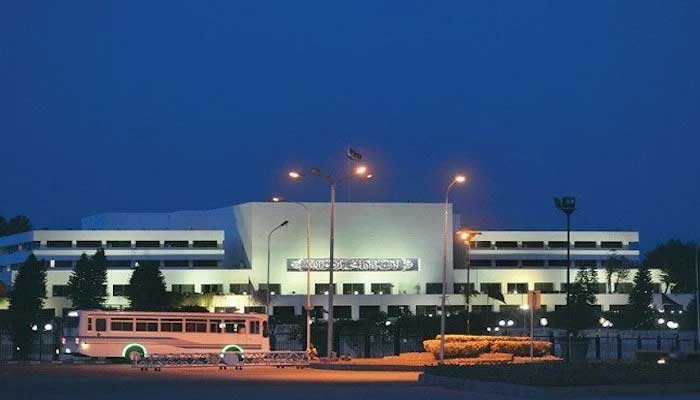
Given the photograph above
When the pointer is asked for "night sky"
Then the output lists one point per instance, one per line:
(171, 105)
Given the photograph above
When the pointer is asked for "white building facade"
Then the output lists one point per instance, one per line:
(388, 256)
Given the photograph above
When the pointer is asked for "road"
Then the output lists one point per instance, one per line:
(76, 382)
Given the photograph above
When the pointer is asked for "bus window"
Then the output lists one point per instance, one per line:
(89, 324)
(171, 325)
(235, 326)
(214, 326)
(265, 332)
(195, 325)
(255, 327)
(121, 324)
(147, 325)
(101, 324)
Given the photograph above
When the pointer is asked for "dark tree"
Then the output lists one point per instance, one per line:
(583, 299)
(86, 286)
(618, 267)
(3, 226)
(146, 290)
(676, 260)
(18, 224)
(3, 290)
(26, 302)
(638, 314)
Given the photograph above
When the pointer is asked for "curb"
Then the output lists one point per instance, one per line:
(366, 367)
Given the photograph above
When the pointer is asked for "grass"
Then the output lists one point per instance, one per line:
(577, 374)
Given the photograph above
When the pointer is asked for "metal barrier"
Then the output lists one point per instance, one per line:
(279, 359)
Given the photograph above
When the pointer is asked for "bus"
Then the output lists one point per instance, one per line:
(136, 334)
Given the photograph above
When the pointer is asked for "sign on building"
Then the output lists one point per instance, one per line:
(355, 264)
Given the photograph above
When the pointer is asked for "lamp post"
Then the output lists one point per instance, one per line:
(467, 236)
(269, 236)
(307, 211)
(360, 172)
(446, 238)
(697, 295)
(567, 205)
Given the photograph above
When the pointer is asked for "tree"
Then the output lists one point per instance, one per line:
(676, 260)
(583, 298)
(26, 302)
(618, 267)
(3, 225)
(17, 224)
(638, 314)
(86, 286)
(146, 290)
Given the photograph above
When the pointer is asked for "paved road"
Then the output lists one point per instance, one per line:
(76, 382)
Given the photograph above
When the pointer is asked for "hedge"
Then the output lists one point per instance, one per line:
(462, 346)
(472, 338)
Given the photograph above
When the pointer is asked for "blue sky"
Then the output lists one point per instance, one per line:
(169, 105)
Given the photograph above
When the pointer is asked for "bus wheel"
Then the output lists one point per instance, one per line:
(133, 353)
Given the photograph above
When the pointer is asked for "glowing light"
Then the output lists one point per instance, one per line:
(544, 321)
(361, 170)
(501, 323)
(48, 327)
(276, 199)
(272, 293)
(325, 292)
(672, 325)
(35, 328)
(661, 361)
(294, 175)
(524, 307)
(511, 322)
(660, 321)
(488, 329)
(387, 323)
(460, 178)
(68, 351)
(73, 314)
(496, 329)
(356, 292)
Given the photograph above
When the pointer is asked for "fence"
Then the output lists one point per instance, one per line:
(43, 348)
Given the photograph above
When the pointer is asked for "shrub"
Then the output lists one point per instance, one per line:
(459, 346)
(471, 338)
(522, 348)
(650, 356)
(693, 356)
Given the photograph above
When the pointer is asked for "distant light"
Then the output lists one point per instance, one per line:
(361, 170)
(502, 323)
(48, 327)
(325, 292)
(369, 176)
(660, 321)
(294, 175)
(356, 292)
(544, 321)
(511, 322)
(496, 329)
(68, 351)
(222, 325)
(488, 329)
(460, 178)
(661, 361)
(672, 325)
(387, 323)
(35, 328)
(272, 293)
(381, 292)
(72, 314)
(430, 315)
(245, 293)
(276, 199)
(524, 307)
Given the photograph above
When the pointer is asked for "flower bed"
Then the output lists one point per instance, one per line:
(466, 346)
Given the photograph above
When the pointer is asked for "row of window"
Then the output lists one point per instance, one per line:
(539, 244)
(476, 263)
(113, 244)
(69, 264)
(173, 325)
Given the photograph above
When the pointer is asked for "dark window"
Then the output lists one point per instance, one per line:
(195, 325)
(557, 244)
(397, 311)
(176, 243)
(275, 289)
(369, 312)
(118, 263)
(238, 288)
(342, 312)
(506, 263)
(147, 325)
(254, 309)
(322, 288)
(176, 263)
(611, 245)
(255, 327)
(119, 243)
(182, 288)
(121, 324)
(381, 288)
(557, 263)
(584, 245)
(533, 263)
(461, 288)
(171, 325)
(143, 263)
(119, 290)
(65, 264)
(59, 290)
(480, 263)
(545, 287)
(433, 288)
(88, 244)
(515, 288)
(353, 288)
(482, 308)
(509, 308)
(285, 313)
(507, 244)
(59, 244)
(490, 287)
(533, 244)
(586, 263)
(101, 324)
(482, 244)
(426, 311)
(89, 324)
(204, 243)
(213, 288)
(147, 244)
(215, 326)
(624, 287)
(205, 263)
(602, 288)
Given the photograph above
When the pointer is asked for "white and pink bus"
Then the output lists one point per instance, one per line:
(133, 334)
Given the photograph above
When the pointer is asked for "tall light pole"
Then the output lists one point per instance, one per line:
(307, 211)
(361, 172)
(269, 236)
(466, 236)
(567, 205)
(446, 237)
(697, 295)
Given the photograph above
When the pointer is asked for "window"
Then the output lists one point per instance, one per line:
(624, 287)
(171, 325)
(381, 288)
(204, 243)
(147, 244)
(182, 288)
(121, 324)
(88, 244)
(557, 263)
(426, 311)
(342, 312)
(433, 288)
(255, 327)
(482, 308)
(176, 263)
(369, 312)
(602, 288)
(509, 308)
(213, 288)
(507, 263)
(322, 288)
(143, 263)
(89, 324)
(101, 324)
(118, 263)
(59, 244)
(481, 244)
(59, 290)
(275, 289)
(238, 288)
(65, 264)
(353, 288)
(533, 244)
(285, 313)
(461, 288)
(146, 325)
(611, 245)
(507, 244)
(533, 263)
(584, 245)
(119, 290)
(119, 243)
(397, 311)
(544, 287)
(557, 244)
(490, 288)
(586, 263)
(195, 325)
(480, 263)
(205, 263)
(235, 325)
(515, 288)
(215, 326)
(254, 309)
(176, 243)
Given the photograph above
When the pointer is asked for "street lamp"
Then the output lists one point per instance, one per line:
(307, 211)
(544, 322)
(567, 205)
(361, 172)
(466, 236)
(269, 236)
(446, 237)
(697, 295)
